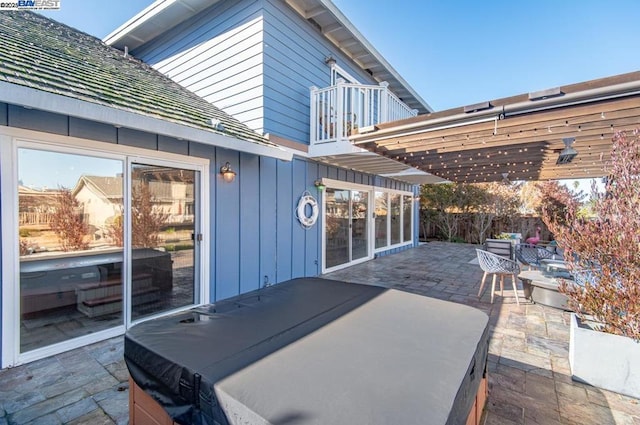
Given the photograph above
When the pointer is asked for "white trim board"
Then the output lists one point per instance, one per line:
(38, 99)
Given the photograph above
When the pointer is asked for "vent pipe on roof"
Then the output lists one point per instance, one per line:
(545, 94)
(477, 107)
(126, 51)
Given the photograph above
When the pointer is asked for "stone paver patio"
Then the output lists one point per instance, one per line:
(530, 381)
(529, 376)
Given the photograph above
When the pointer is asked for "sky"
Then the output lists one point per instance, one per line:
(461, 52)
(63, 170)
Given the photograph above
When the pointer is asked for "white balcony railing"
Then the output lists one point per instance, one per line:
(338, 111)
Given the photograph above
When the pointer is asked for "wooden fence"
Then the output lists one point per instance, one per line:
(525, 225)
(34, 218)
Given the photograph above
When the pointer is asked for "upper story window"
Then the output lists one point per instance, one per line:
(337, 72)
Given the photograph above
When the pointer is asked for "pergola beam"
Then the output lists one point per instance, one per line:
(465, 147)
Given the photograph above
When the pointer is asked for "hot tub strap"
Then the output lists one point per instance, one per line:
(190, 387)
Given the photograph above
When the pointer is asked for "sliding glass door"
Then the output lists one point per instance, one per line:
(359, 224)
(394, 219)
(346, 226)
(163, 238)
(337, 232)
(103, 241)
(70, 244)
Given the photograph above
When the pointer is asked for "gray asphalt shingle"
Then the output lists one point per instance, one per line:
(43, 54)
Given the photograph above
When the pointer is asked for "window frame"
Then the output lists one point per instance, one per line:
(12, 139)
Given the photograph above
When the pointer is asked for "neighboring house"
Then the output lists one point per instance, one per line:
(36, 205)
(100, 198)
(72, 106)
(102, 201)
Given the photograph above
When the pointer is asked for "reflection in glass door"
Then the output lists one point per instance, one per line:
(337, 227)
(394, 214)
(77, 272)
(381, 213)
(359, 225)
(163, 234)
(346, 226)
(70, 241)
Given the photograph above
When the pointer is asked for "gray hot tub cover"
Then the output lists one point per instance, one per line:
(314, 351)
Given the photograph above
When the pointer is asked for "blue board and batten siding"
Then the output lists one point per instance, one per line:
(255, 236)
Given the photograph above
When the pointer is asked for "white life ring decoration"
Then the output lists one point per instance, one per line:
(307, 203)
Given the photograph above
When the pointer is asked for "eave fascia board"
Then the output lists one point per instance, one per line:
(342, 19)
(37, 99)
(156, 9)
(136, 21)
(164, 6)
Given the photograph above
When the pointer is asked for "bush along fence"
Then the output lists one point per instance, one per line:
(463, 227)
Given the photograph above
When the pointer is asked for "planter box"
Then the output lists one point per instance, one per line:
(607, 361)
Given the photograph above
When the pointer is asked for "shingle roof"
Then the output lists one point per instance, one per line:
(110, 187)
(43, 54)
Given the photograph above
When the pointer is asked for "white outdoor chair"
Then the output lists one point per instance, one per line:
(494, 264)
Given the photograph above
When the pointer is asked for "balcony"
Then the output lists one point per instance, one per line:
(340, 110)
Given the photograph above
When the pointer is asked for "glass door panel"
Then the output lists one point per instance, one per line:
(381, 219)
(337, 227)
(70, 241)
(394, 212)
(407, 208)
(359, 225)
(163, 231)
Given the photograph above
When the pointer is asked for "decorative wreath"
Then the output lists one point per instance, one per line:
(307, 221)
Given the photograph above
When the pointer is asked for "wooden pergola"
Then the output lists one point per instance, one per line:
(519, 137)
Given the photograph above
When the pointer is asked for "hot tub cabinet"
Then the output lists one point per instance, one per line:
(311, 351)
(92, 281)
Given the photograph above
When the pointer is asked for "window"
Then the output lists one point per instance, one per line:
(393, 219)
(381, 213)
(104, 238)
(407, 208)
(338, 73)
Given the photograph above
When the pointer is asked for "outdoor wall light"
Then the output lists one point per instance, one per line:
(228, 175)
(568, 153)
(319, 185)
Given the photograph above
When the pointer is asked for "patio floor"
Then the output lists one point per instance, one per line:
(530, 381)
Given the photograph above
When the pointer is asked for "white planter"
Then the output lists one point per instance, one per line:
(607, 361)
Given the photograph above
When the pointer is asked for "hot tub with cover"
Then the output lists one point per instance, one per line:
(314, 351)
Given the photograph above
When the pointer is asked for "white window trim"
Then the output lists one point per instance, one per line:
(402, 243)
(342, 185)
(10, 140)
(10, 249)
(338, 72)
(338, 184)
